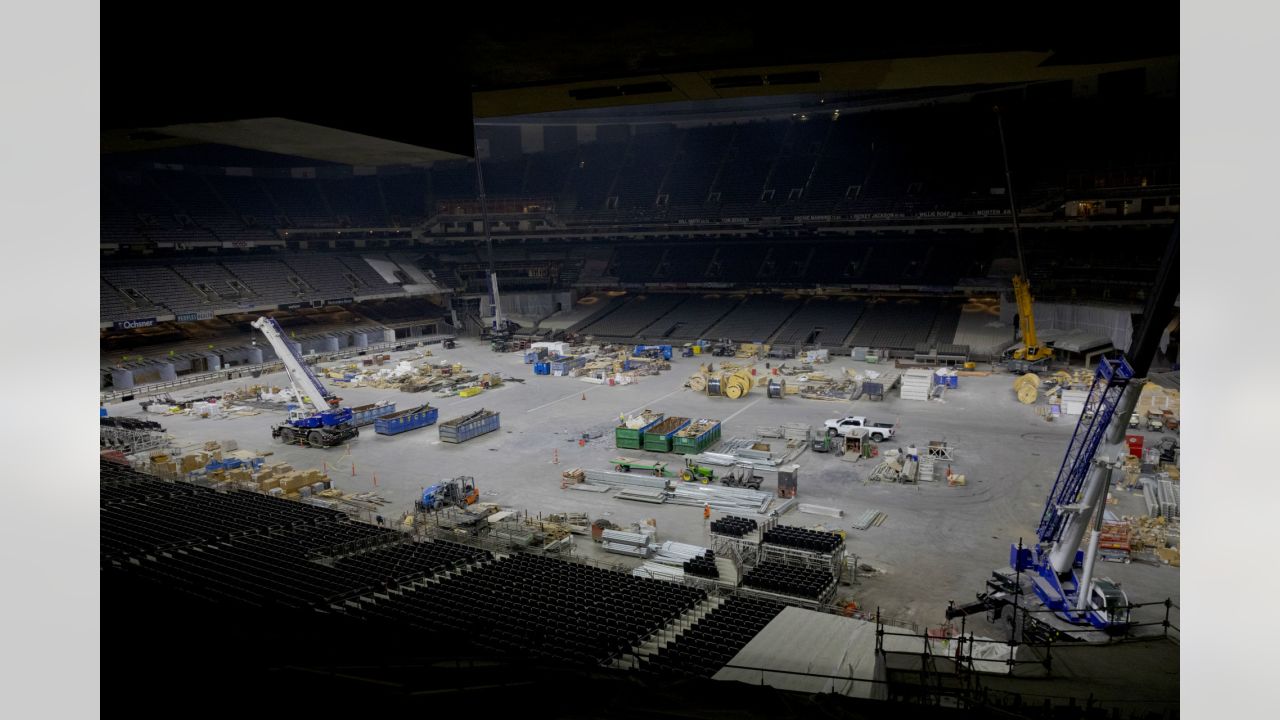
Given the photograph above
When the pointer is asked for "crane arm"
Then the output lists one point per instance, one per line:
(1026, 315)
(306, 385)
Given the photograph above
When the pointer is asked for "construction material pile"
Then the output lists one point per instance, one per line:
(1157, 535)
(751, 452)
(796, 434)
(721, 498)
(443, 378)
(626, 543)
(917, 384)
(868, 519)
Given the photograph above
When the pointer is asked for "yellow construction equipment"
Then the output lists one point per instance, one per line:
(1032, 350)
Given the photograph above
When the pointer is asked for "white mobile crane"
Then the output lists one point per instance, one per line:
(1056, 572)
(318, 420)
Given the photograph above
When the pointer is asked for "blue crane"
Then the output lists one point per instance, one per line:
(1061, 573)
(318, 420)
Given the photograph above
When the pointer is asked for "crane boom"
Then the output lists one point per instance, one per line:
(1077, 500)
(1032, 350)
(308, 388)
(317, 421)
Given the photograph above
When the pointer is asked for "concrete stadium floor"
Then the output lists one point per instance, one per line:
(937, 544)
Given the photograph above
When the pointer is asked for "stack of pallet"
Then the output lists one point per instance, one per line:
(916, 384)
(1114, 542)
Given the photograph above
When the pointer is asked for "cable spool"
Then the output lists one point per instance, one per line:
(713, 385)
(737, 385)
(698, 383)
(1027, 388)
(776, 389)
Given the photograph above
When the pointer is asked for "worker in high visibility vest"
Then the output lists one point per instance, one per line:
(706, 511)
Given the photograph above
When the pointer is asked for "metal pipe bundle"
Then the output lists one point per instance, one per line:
(612, 477)
(620, 549)
(659, 572)
(642, 494)
(626, 538)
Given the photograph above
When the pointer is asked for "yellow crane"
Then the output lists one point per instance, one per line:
(1032, 351)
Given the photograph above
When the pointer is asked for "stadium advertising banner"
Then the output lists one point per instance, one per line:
(131, 324)
(193, 317)
(340, 301)
(291, 306)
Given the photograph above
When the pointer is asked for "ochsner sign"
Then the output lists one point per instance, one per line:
(131, 324)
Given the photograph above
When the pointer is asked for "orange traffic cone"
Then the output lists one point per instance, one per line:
(353, 468)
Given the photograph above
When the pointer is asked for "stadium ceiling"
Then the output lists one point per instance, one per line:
(360, 98)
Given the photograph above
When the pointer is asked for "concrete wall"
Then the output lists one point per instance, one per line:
(534, 305)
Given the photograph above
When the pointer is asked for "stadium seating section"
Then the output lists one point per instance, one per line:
(245, 549)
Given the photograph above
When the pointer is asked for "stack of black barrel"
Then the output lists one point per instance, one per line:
(803, 538)
(733, 526)
(703, 566)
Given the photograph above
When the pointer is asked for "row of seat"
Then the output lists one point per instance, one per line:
(733, 525)
(542, 607)
(715, 639)
(805, 582)
(803, 538)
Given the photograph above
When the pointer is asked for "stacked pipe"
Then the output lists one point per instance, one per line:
(657, 571)
(625, 543)
(722, 498)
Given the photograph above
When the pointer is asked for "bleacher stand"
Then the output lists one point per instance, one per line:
(821, 321)
(713, 640)
(633, 315)
(754, 320)
(690, 319)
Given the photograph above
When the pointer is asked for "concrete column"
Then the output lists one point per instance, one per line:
(121, 378)
(167, 371)
(388, 335)
(254, 356)
(359, 340)
(215, 361)
(328, 344)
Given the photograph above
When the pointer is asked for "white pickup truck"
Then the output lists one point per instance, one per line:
(859, 426)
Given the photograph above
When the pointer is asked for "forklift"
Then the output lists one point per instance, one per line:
(458, 492)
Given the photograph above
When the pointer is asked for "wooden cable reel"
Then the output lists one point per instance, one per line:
(1027, 388)
(737, 385)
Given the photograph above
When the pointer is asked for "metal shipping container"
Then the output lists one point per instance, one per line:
(464, 428)
(366, 414)
(406, 420)
(691, 444)
(658, 438)
(633, 439)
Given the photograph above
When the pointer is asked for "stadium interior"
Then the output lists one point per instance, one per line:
(707, 188)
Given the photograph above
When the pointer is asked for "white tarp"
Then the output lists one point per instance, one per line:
(1112, 322)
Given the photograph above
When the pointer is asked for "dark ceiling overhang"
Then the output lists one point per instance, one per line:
(383, 90)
